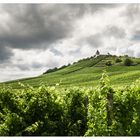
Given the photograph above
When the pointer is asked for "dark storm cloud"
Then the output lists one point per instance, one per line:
(5, 54)
(114, 31)
(33, 26)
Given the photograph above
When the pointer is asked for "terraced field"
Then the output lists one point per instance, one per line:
(87, 72)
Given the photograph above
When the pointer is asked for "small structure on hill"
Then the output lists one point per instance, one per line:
(97, 54)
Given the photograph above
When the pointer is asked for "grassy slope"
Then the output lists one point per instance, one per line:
(87, 72)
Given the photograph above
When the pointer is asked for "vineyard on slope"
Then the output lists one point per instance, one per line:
(45, 111)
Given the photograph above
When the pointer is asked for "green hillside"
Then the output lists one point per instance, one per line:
(87, 72)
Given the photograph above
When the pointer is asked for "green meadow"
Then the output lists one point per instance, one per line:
(87, 73)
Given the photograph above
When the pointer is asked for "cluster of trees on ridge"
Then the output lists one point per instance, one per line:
(55, 69)
(126, 62)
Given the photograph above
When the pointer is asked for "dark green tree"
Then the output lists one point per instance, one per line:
(118, 60)
(128, 62)
(109, 63)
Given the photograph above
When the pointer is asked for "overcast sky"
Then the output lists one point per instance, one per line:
(34, 38)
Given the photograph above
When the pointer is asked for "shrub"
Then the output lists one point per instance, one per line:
(109, 63)
(118, 60)
(128, 62)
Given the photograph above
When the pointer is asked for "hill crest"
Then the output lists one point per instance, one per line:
(87, 72)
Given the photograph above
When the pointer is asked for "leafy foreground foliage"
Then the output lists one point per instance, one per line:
(45, 111)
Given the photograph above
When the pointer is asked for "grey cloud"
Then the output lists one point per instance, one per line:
(22, 67)
(38, 26)
(55, 51)
(36, 65)
(74, 52)
(35, 26)
(5, 54)
(95, 40)
(52, 63)
(136, 35)
(114, 31)
(131, 12)
(32, 25)
(93, 8)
